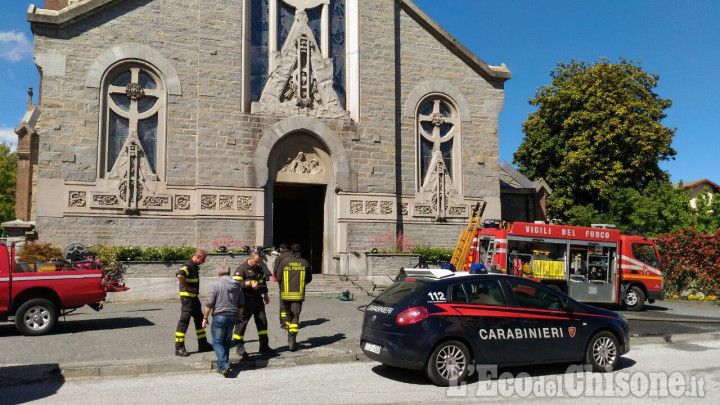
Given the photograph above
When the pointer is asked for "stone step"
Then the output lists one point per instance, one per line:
(332, 286)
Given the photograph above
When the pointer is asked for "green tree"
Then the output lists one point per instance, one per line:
(597, 129)
(8, 171)
(660, 208)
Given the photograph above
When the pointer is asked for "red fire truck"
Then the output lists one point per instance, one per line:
(594, 264)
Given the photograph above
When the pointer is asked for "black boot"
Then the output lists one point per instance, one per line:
(264, 346)
(292, 342)
(240, 350)
(204, 346)
(180, 350)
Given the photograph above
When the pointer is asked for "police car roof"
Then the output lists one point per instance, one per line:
(438, 275)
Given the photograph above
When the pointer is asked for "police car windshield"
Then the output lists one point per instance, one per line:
(397, 292)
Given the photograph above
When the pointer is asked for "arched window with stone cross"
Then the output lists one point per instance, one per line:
(438, 138)
(133, 106)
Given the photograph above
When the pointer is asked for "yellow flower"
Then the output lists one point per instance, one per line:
(702, 298)
(691, 296)
(675, 296)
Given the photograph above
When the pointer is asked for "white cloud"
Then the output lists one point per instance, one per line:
(9, 137)
(15, 46)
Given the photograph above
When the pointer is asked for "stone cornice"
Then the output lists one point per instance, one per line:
(489, 72)
(68, 15)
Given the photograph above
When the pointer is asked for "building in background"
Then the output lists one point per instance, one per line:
(522, 199)
(697, 187)
(319, 122)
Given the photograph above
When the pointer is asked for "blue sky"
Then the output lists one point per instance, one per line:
(678, 40)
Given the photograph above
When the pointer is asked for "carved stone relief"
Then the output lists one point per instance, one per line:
(227, 202)
(356, 207)
(371, 207)
(77, 199)
(300, 158)
(182, 202)
(302, 77)
(244, 203)
(156, 201)
(208, 201)
(404, 208)
(106, 200)
(130, 183)
(301, 164)
(438, 190)
(386, 207)
(423, 210)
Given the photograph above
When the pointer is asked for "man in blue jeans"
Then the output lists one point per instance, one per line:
(225, 300)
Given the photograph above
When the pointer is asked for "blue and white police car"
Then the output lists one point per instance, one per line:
(443, 322)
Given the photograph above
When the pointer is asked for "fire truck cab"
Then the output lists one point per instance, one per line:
(594, 264)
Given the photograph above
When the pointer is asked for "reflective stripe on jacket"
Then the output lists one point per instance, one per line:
(294, 274)
(191, 272)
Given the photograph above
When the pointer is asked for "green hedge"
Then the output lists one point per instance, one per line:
(430, 254)
(113, 256)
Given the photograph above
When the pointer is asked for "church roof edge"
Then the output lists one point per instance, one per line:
(489, 72)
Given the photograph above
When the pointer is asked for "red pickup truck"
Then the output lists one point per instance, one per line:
(37, 298)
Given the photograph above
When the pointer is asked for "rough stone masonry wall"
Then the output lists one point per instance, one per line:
(424, 58)
(363, 236)
(373, 154)
(146, 231)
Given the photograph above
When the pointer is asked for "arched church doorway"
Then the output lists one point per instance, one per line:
(301, 169)
(298, 218)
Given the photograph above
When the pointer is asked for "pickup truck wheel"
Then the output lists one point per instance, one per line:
(36, 317)
(635, 298)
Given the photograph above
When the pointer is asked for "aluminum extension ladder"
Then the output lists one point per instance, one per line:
(460, 255)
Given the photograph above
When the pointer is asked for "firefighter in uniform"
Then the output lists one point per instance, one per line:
(251, 277)
(284, 252)
(293, 275)
(189, 279)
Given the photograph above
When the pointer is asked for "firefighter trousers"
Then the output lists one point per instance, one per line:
(281, 308)
(292, 315)
(254, 307)
(190, 307)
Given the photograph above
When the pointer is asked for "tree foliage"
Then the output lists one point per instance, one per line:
(597, 129)
(8, 171)
(660, 208)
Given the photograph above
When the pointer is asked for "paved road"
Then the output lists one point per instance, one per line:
(138, 338)
(681, 369)
(672, 317)
(146, 330)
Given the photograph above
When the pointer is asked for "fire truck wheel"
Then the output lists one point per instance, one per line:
(555, 288)
(602, 352)
(36, 317)
(635, 298)
(448, 363)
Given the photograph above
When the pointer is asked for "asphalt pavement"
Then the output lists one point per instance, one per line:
(139, 338)
(126, 339)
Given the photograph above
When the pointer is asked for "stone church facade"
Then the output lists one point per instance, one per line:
(331, 123)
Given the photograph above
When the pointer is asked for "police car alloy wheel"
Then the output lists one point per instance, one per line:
(448, 363)
(602, 352)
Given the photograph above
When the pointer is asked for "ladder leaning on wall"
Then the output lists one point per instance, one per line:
(460, 255)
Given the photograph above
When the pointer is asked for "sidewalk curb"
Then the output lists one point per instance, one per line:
(30, 374)
(35, 373)
(670, 339)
